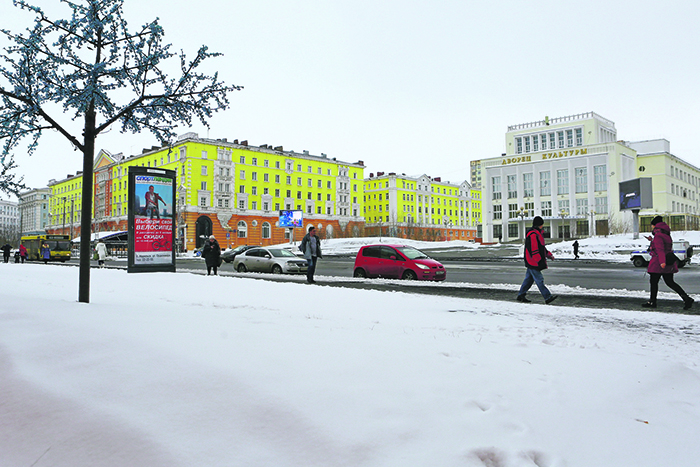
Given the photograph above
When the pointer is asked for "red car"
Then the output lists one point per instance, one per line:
(398, 262)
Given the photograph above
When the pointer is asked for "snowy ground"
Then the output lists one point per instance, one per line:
(188, 370)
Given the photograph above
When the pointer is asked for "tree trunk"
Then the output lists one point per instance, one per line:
(86, 209)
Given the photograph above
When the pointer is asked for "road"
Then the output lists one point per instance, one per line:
(580, 273)
(477, 273)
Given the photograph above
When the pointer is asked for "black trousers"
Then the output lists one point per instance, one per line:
(668, 279)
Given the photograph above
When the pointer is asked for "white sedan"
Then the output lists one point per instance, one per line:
(274, 260)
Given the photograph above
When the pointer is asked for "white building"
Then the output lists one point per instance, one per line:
(566, 170)
(9, 218)
(34, 209)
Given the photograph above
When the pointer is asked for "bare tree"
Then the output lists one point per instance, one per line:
(90, 67)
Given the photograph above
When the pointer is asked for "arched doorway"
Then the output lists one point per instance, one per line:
(203, 229)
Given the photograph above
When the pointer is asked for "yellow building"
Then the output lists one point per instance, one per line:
(230, 189)
(420, 207)
(675, 182)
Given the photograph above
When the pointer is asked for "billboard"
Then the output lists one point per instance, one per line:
(151, 220)
(636, 194)
(293, 218)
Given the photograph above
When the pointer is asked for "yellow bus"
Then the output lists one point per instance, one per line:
(58, 244)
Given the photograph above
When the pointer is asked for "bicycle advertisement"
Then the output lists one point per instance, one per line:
(151, 219)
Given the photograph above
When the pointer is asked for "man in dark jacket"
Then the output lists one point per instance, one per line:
(536, 261)
(6, 252)
(311, 248)
(212, 254)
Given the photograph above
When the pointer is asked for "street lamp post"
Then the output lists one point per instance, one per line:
(64, 216)
(563, 213)
(522, 212)
(448, 224)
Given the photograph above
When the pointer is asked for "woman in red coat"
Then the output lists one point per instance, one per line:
(661, 250)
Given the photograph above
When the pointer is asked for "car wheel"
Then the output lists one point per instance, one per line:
(242, 268)
(276, 269)
(638, 262)
(359, 272)
(409, 275)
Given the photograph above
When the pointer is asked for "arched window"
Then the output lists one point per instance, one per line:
(242, 229)
(266, 230)
(329, 231)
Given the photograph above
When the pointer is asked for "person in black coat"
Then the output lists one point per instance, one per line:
(576, 249)
(6, 252)
(212, 254)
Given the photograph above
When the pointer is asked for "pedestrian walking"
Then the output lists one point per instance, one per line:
(663, 263)
(45, 252)
(536, 261)
(575, 249)
(6, 252)
(212, 255)
(22, 252)
(101, 250)
(310, 246)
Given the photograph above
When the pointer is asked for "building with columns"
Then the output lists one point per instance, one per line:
(230, 189)
(566, 170)
(34, 209)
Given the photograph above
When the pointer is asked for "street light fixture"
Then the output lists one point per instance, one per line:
(563, 213)
(448, 224)
(522, 212)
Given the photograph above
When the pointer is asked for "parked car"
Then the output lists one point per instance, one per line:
(398, 262)
(229, 255)
(274, 260)
(681, 249)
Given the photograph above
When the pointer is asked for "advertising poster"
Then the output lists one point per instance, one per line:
(151, 219)
(293, 218)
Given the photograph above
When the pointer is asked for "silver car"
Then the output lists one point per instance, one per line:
(274, 260)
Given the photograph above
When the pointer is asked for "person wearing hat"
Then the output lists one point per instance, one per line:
(536, 261)
(661, 264)
(212, 254)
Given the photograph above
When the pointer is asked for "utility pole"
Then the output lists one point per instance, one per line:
(72, 219)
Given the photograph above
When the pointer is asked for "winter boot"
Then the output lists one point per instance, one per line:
(688, 302)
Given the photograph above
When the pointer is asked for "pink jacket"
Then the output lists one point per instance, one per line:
(660, 250)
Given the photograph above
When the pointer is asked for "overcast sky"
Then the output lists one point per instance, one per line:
(418, 86)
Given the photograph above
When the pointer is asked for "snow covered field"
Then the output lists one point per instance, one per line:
(188, 370)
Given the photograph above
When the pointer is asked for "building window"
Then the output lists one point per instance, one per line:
(512, 187)
(241, 204)
(530, 209)
(496, 184)
(527, 144)
(204, 185)
(513, 230)
(564, 207)
(569, 138)
(563, 182)
(535, 145)
(518, 145)
(560, 139)
(546, 208)
(512, 211)
(242, 229)
(581, 206)
(581, 179)
(545, 184)
(543, 140)
(601, 205)
(601, 179)
(579, 137)
(266, 230)
(552, 141)
(528, 190)
(497, 211)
